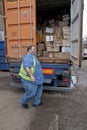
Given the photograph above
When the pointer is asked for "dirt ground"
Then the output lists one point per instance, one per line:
(61, 110)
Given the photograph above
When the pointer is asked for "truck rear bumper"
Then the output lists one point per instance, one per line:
(51, 88)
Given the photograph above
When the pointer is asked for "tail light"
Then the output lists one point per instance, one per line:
(65, 80)
(48, 71)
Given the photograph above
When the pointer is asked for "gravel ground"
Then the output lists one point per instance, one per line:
(61, 110)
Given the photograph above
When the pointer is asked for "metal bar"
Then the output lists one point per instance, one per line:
(6, 25)
(80, 33)
(76, 17)
(30, 22)
(20, 23)
(51, 88)
(19, 37)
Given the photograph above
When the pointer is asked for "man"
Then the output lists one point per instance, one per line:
(32, 78)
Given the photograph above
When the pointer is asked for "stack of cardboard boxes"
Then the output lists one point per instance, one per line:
(55, 39)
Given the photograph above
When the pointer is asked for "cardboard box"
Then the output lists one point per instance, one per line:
(45, 53)
(66, 32)
(50, 54)
(63, 23)
(66, 36)
(66, 42)
(63, 55)
(49, 30)
(39, 53)
(49, 38)
(52, 48)
(65, 49)
(49, 44)
(40, 46)
(56, 44)
(39, 38)
(66, 29)
(59, 55)
(57, 37)
(57, 33)
(65, 17)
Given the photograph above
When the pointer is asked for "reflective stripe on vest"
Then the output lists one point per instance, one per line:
(23, 72)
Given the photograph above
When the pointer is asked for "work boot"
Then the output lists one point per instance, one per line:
(25, 106)
(40, 104)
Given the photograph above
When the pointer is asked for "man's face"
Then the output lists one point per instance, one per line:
(33, 50)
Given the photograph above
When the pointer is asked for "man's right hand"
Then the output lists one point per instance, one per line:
(30, 74)
(33, 78)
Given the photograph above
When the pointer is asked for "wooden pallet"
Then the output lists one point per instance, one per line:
(54, 60)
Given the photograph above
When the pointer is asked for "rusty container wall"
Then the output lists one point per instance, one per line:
(1, 7)
(20, 26)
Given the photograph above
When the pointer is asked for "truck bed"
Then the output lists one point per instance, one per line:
(54, 60)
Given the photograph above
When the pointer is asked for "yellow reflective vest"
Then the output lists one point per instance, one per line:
(23, 72)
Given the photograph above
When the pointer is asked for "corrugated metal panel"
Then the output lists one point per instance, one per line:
(1, 23)
(20, 26)
(1, 7)
(76, 30)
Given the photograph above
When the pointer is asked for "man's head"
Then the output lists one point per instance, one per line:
(32, 49)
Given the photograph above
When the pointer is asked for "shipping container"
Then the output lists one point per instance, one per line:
(54, 27)
(20, 26)
(3, 61)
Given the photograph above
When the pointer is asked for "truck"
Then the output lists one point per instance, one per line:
(54, 27)
(84, 48)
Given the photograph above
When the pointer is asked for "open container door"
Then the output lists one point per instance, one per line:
(76, 31)
(20, 20)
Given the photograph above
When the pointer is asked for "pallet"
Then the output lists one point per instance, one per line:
(54, 60)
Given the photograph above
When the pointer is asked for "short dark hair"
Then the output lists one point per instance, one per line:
(29, 47)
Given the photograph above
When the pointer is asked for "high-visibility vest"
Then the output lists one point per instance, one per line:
(23, 72)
